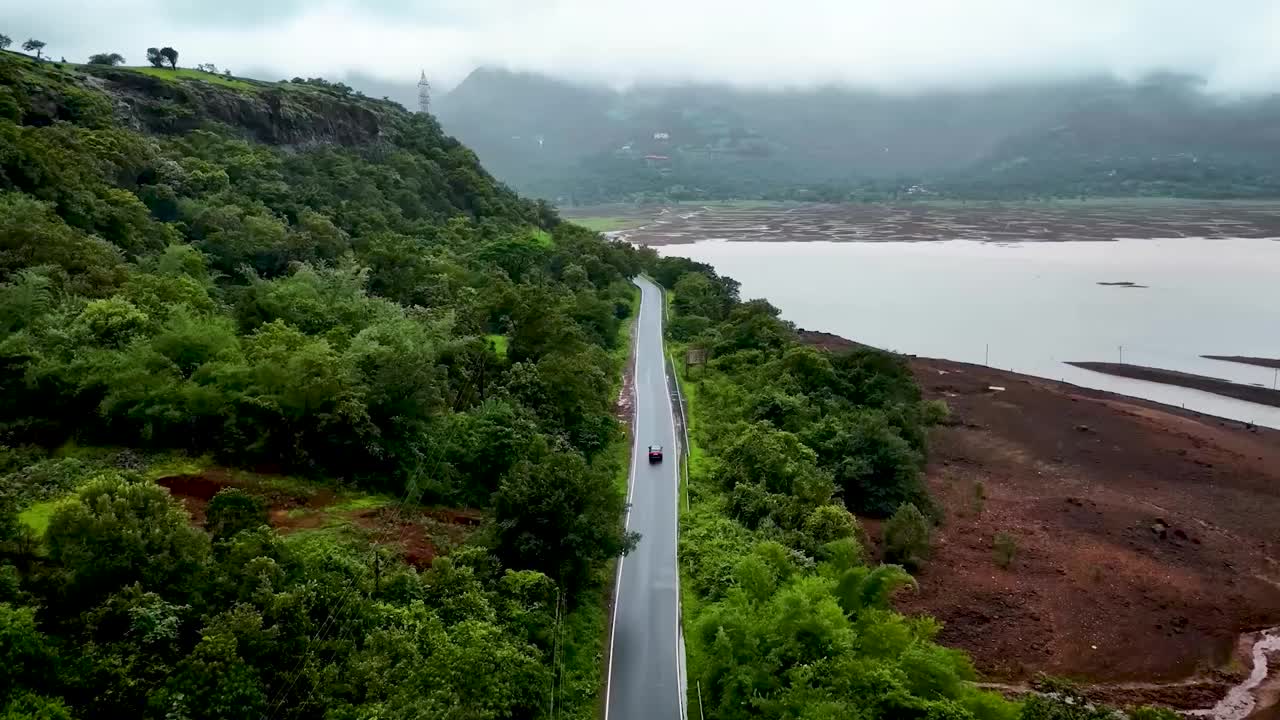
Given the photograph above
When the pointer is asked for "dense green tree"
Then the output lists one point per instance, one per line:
(5, 41)
(233, 510)
(154, 57)
(875, 469)
(26, 654)
(117, 532)
(906, 537)
(771, 474)
(108, 59)
(170, 56)
(36, 46)
(556, 514)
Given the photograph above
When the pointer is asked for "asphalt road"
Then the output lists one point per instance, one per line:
(646, 653)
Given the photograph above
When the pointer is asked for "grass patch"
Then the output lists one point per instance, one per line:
(171, 465)
(608, 224)
(37, 516)
(361, 502)
(622, 348)
(189, 74)
(542, 238)
(499, 343)
(582, 631)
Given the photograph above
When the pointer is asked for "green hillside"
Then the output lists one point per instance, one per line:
(259, 456)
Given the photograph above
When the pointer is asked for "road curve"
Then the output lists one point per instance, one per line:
(646, 654)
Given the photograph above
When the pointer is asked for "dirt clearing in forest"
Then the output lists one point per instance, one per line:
(416, 534)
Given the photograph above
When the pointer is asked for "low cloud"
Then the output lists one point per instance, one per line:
(881, 44)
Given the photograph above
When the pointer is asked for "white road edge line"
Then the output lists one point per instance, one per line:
(681, 689)
(675, 497)
(631, 486)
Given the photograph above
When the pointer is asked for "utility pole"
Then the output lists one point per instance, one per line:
(1121, 354)
(424, 94)
(986, 357)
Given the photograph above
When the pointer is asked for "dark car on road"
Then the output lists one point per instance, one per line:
(655, 453)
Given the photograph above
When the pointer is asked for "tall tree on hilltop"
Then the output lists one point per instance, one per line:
(36, 46)
(106, 59)
(154, 57)
(170, 55)
(5, 41)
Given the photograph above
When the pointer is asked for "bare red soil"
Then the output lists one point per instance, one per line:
(413, 534)
(393, 528)
(1146, 535)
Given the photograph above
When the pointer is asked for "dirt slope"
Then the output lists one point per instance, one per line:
(1147, 536)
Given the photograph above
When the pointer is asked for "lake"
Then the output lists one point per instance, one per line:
(1029, 306)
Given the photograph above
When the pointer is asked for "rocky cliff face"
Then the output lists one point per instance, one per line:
(171, 102)
(272, 113)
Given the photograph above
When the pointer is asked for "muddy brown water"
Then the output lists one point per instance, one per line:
(1241, 701)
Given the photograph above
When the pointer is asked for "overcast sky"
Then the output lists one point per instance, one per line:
(889, 44)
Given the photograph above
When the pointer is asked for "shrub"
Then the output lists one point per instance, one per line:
(233, 510)
(1005, 549)
(828, 523)
(935, 412)
(979, 497)
(906, 537)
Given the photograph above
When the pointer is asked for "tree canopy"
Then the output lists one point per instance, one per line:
(324, 312)
(109, 59)
(35, 46)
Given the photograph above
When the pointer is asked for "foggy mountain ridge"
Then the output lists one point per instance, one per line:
(557, 139)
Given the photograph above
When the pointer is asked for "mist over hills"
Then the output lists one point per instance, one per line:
(1098, 136)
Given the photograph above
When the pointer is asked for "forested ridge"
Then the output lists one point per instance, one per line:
(294, 281)
(1158, 135)
(786, 599)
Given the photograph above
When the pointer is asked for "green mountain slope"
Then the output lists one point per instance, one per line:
(281, 301)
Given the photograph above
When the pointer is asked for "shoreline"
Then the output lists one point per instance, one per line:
(831, 341)
(1270, 363)
(1191, 381)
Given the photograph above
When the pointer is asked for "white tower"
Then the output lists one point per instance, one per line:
(424, 93)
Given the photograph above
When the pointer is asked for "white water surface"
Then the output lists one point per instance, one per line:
(1035, 304)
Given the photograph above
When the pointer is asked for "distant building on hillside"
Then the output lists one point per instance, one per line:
(663, 136)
